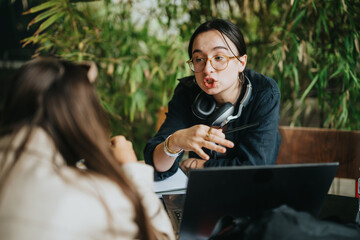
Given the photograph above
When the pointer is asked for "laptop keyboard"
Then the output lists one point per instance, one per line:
(178, 215)
(173, 204)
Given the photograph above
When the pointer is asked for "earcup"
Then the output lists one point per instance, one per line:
(204, 108)
(203, 105)
(221, 114)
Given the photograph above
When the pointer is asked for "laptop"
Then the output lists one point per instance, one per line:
(246, 191)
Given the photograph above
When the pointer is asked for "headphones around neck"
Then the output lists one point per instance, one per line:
(204, 107)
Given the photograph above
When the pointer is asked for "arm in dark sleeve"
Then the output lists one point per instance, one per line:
(258, 145)
(148, 155)
(179, 116)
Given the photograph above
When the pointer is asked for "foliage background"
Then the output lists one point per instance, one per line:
(311, 48)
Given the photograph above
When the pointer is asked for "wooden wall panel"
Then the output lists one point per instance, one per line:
(317, 145)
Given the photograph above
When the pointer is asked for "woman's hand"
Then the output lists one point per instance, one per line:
(198, 136)
(191, 163)
(122, 150)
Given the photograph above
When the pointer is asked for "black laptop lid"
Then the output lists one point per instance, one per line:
(249, 190)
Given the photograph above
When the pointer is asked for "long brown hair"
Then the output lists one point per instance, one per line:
(57, 96)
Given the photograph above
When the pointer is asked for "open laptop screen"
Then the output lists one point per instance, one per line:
(249, 190)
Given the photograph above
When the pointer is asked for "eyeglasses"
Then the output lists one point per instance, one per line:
(218, 62)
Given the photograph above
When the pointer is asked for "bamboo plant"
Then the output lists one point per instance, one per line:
(311, 48)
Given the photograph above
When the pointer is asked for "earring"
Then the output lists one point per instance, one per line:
(241, 78)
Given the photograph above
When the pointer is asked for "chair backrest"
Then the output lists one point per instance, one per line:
(161, 117)
(309, 145)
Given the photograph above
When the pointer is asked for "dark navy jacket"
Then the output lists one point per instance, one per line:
(253, 146)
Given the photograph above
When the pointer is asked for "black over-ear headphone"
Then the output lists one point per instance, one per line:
(204, 106)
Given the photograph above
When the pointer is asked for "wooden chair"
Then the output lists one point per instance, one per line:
(317, 145)
(161, 114)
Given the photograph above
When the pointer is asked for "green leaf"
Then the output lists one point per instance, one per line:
(344, 113)
(140, 100)
(107, 107)
(313, 4)
(308, 89)
(339, 70)
(296, 79)
(44, 15)
(323, 20)
(43, 6)
(356, 79)
(48, 22)
(298, 19)
(132, 110)
(294, 7)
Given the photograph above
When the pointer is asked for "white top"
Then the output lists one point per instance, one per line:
(43, 202)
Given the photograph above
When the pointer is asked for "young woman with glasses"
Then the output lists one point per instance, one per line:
(61, 177)
(208, 109)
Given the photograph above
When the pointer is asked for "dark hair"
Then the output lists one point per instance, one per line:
(224, 27)
(57, 96)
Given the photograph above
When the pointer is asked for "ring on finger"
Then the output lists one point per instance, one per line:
(207, 137)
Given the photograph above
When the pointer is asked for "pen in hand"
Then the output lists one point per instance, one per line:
(242, 127)
(213, 153)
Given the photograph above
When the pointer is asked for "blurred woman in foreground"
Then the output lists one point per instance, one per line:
(60, 175)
